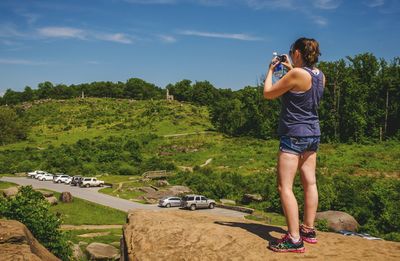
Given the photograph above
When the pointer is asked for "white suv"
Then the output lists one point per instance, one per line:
(91, 182)
(46, 177)
(194, 202)
(60, 178)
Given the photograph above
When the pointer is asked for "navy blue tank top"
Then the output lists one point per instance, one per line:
(299, 113)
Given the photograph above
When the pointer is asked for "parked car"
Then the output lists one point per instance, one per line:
(60, 178)
(40, 175)
(91, 182)
(75, 180)
(68, 180)
(170, 202)
(34, 173)
(47, 177)
(194, 202)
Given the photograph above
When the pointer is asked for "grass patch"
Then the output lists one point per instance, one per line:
(82, 212)
(114, 235)
(5, 184)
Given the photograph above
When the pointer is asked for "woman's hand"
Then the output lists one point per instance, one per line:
(287, 63)
(274, 62)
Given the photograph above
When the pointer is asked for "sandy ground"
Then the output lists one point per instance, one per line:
(185, 235)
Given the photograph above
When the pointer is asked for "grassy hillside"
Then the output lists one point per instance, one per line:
(120, 138)
(64, 122)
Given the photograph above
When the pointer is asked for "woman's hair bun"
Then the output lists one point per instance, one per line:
(309, 49)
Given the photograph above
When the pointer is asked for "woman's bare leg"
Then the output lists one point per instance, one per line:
(307, 170)
(287, 167)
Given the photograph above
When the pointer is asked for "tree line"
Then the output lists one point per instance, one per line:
(361, 100)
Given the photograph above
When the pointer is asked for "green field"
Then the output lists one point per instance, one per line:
(82, 212)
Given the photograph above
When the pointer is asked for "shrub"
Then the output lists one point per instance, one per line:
(30, 208)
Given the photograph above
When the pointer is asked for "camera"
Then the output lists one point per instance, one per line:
(281, 58)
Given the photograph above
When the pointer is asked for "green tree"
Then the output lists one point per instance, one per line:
(12, 128)
(31, 208)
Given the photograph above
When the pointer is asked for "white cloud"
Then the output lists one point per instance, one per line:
(62, 32)
(242, 37)
(375, 3)
(117, 37)
(167, 38)
(320, 20)
(20, 62)
(327, 4)
(76, 33)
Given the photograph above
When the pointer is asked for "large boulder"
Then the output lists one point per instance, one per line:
(100, 251)
(17, 243)
(338, 220)
(66, 197)
(227, 201)
(52, 200)
(201, 236)
(10, 192)
(162, 183)
(248, 198)
(77, 253)
(179, 190)
(147, 189)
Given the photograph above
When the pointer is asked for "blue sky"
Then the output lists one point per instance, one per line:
(227, 42)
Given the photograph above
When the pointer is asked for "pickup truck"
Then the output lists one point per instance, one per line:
(34, 173)
(91, 182)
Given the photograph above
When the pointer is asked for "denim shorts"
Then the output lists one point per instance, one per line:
(299, 145)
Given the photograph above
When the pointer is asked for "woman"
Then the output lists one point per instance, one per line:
(301, 90)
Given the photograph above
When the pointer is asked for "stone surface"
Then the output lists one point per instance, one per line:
(97, 234)
(10, 192)
(198, 236)
(100, 251)
(77, 253)
(52, 200)
(248, 198)
(162, 183)
(147, 189)
(227, 201)
(17, 243)
(338, 220)
(66, 197)
(179, 190)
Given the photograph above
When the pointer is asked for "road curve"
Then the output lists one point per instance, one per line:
(92, 194)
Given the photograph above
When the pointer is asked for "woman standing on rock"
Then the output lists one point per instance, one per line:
(301, 90)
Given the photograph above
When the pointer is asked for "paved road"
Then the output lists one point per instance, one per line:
(92, 194)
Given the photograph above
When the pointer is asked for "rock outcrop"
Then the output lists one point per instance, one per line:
(197, 235)
(248, 198)
(52, 200)
(100, 251)
(338, 220)
(17, 243)
(10, 192)
(66, 197)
